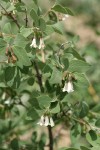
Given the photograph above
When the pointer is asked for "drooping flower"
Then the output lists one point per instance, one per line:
(41, 45)
(46, 120)
(68, 87)
(33, 44)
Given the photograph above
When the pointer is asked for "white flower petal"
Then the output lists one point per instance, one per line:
(67, 16)
(63, 19)
(33, 44)
(8, 101)
(41, 45)
(51, 122)
(64, 88)
(41, 122)
(46, 121)
(68, 87)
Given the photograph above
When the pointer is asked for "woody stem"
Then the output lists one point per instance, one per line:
(39, 77)
(50, 138)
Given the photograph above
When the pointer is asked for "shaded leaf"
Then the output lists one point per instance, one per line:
(21, 54)
(9, 73)
(52, 17)
(81, 80)
(20, 40)
(68, 148)
(84, 109)
(75, 133)
(3, 45)
(55, 108)
(7, 28)
(56, 76)
(92, 138)
(78, 66)
(98, 123)
(30, 81)
(42, 24)
(26, 31)
(14, 144)
(33, 113)
(44, 101)
(74, 53)
(34, 17)
(84, 148)
(65, 63)
(62, 9)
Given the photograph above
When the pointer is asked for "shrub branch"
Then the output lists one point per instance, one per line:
(11, 16)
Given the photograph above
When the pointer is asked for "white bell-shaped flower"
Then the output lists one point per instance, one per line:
(68, 87)
(33, 44)
(41, 45)
(46, 121)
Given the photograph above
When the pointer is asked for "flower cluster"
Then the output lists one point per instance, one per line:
(46, 120)
(41, 44)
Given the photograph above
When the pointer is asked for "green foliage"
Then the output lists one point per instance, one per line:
(42, 82)
(75, 133)
(78, 66)
(62, 9)
(56, 76)
(23, 59)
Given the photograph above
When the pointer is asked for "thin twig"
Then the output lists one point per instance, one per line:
(3, 8)
(62, 46)
(26, 18)
(81, 121)
(11, 16)
(8, 35)
(39, 76)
